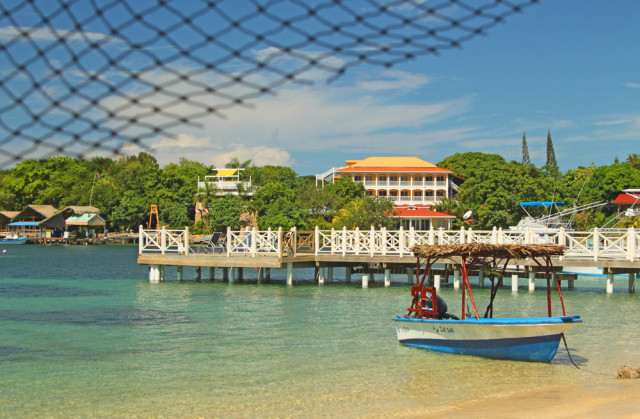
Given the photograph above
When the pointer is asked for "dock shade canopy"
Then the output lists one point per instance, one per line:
(24, 224)
(540, 203)
(85, 220)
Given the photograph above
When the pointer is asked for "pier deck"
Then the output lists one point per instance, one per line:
(381, 250)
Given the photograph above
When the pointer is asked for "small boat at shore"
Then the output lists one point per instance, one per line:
(12, 241)
(428, 325)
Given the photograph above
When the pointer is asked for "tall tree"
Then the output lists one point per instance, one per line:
(552, 164)
(525, 150)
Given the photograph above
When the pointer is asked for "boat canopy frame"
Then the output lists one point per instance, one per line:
(491, 258)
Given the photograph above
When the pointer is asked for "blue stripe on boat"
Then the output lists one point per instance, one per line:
(514, 320)
(538, 348)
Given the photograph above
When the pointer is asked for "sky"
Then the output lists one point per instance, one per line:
(567, 67)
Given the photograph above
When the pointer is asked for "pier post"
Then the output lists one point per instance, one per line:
(365, 281)
(347, 274)
(260, 275)
(241, 274)
(514, 283)
(289, 273)
(436, 282)
(330, 274)
(410, 276)
(212, 274)
(320, 275)
(456, 279)
(571, 284)
(609, 281)
(632, 283)
(532, 281)
(198, 273)
(481, 279)
(154, 274)
(180, 273)
(232, 275)
(387, 277)
(225, 274)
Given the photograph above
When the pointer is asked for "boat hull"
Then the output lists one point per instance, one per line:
(522, 339)
(21, 240)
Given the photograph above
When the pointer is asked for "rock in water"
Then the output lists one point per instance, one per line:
(628, 372)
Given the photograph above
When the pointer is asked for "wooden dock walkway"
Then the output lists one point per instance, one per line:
(377, 251)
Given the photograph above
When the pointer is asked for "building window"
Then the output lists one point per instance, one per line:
(428, 178)
(439, 193)
(417, 179)
(382, 178)
(393, 178)
(428, 193)
(404, 193)
(417, 193)
(393, 193)
(382, 193)
(440, 179)
(357, 178)
(368, 178)
(370, 193)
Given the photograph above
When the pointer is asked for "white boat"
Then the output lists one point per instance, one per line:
(17, 240)
(428, 325)
(522, 339)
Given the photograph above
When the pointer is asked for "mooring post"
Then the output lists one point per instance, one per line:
(436, 282)
(610, 282)
(532, 281)
(320, 275)
(198, 273)
(481, 279)
(456, 279)
(514, 283)
(632, 283)
(330, 274)
(290, 273)
(180, 273)
(212, 274)
(232, 275)
(260, 275)
(347, 274)
(387, 277)
(410, 277)
(365, 281)
(225, 274)
(154, 274)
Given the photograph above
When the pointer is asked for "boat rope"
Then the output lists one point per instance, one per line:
(568, 353)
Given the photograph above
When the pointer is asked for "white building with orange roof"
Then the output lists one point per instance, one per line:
(414, 185)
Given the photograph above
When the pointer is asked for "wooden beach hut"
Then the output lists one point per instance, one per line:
(5, 218)
(27, 222)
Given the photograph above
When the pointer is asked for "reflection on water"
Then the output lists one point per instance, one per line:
(88, 336)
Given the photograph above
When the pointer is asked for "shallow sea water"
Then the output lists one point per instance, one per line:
(82, 333)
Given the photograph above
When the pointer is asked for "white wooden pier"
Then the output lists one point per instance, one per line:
(616, 252)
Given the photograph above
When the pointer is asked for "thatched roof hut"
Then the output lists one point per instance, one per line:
(484, 250)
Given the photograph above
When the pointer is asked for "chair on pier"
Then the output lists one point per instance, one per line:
(213, 244)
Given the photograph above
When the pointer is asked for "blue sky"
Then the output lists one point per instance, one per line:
(570, 67)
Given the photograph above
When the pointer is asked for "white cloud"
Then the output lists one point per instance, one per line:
(49, 34)
(633, 85)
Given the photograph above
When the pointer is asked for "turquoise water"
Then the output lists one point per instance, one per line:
(82, 333)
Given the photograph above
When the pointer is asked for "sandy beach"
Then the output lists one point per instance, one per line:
(617, 399)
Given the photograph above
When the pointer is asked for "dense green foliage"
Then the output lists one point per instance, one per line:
(493, 188)
(124, 189)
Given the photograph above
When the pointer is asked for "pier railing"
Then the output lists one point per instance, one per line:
(593, 245)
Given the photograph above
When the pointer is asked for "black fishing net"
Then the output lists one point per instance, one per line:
(78, 76)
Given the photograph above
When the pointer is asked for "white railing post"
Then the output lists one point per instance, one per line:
(344, 240)
(596, 243)
(432, 235)
(500, 236)
(631, 244)
(372, 241)
(412, 238)
(163, 240)
(229, 241)
(294, 239)
(356, 241)
(280, 247)
(383, 232)
(462, 235)
(494, 235)
(316, 240)
(140, 239)
(333, 240)
(562, 236)
(470, 238)
(254, 242)
(528, 236)
(441, 236)
(186, 240)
